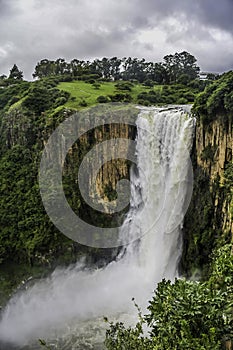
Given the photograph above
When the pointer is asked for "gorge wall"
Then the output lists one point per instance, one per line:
(28, 235)
(208, 221)
(217, 138)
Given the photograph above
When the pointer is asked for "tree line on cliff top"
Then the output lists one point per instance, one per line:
(179, 67)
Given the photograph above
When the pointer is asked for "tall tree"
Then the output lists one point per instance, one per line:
(15, 73)
(44, 68)
(180, 64)
(115, 67)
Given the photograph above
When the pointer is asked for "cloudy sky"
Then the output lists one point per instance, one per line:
(31, 30)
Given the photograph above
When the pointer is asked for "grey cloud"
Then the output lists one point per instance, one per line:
(86, 29)
(6, 8)
(215, 13)
(218, 13)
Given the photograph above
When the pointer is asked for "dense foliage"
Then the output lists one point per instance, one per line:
(178, 67)
(216, 99)
(26, 232)
(184, 314)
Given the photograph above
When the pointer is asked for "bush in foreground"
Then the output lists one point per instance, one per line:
(184, 314)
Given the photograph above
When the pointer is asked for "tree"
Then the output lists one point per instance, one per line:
(156, 72)
(61, 67)
(115, 67)
(44, 68)
(180, 64)
(15, 73)
(184, 314)
(3, 80)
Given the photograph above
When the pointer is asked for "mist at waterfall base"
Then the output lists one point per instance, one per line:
(67, 308)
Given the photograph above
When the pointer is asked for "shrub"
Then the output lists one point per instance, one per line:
(102, 99)
(208, 153)
(90, 77)
(184, 79)
(142, 96)
(65, 78)
(154, 96)
(143, 102)
(60, 101)
(124, 85)
(96, 85)
(14, 100)
(215, 99)
(90, 81)
(168, 99)
(228, 101)
(184, 314)
(182, 101)
(166, 90)
(83, 103)
(148, 83)
(121, 97)
(190, 96)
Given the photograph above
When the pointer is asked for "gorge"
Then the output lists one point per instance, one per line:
(162, 189)
(74, 295)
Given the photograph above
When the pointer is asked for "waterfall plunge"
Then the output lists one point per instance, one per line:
(161, 187)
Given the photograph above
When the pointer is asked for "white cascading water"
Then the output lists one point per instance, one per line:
(68, 307)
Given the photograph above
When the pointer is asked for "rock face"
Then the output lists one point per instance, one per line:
(104, 153)
(208, 221)
(214, 150)
(209, 216)
(216, 138)
(114, 169)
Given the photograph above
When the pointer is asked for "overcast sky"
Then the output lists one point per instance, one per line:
(31, 30)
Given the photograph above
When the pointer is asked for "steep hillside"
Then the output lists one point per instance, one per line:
(209, 221)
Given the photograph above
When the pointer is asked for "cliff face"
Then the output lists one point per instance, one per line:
(214, 150)
(209, 217)
(27, 232)
(116, 167)
(103, 151)
(217, 139)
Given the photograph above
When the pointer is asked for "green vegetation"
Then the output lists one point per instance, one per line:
(208, 153)
(184, 314)
(30, 111)
(211, 197)
(80, 91)
(180, 67)
(14, 277)
(15, 74)
(228, 185)
(216, 99)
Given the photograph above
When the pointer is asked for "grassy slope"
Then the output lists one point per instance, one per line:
(81, 90)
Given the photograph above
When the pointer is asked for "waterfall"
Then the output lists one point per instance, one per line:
(161, 189)
(72, 301)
